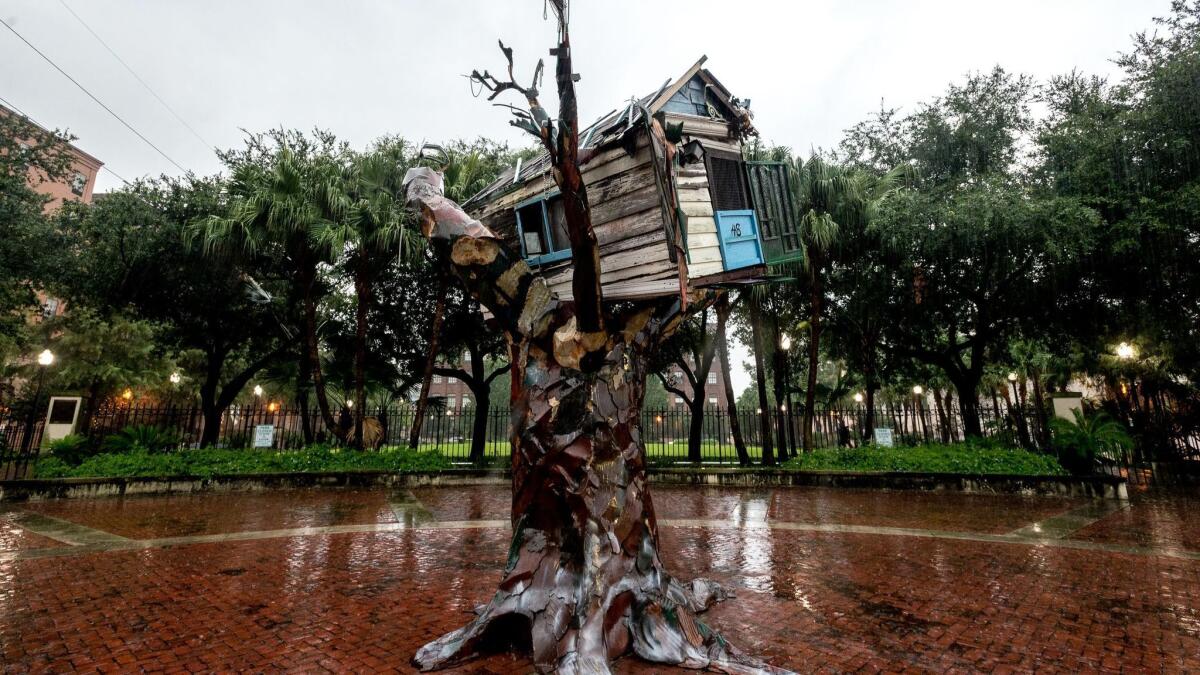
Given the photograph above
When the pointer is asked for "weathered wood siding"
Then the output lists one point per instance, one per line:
(704, 250)
(627, 219)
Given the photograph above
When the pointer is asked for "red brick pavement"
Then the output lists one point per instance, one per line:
(1162, 519)
(808, 601)
(146, 517)
(16, 538)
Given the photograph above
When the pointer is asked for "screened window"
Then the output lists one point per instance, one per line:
(712, 378)
(725, 183)
(542, 224)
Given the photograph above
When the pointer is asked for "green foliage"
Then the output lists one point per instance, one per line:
(212, 461)
(71, 450)
(1089, 438)
(100, 355)
(972, 457)
(141, 438)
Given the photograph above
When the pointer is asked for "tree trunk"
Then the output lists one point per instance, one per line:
(968, 404)
(302, 402)
(479, 427)
(314, 358)
(362, 292)
(211, 432)
(481, 391)
(816, 300)
(584, 580)
(1039, 402)
(760, 379)
(696, 425)
(869, 431)
(435, 332)
(735, 425)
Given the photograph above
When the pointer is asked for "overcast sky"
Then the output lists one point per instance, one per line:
(367, 68)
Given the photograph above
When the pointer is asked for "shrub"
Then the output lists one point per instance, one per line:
(980, 456)
(141, 438)
(71, 450)
(207, 462)
(1087, 439)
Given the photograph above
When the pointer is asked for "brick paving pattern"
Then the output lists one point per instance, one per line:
(811, 601)
(148, 517)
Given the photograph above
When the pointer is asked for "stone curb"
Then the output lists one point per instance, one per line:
(1096, 487)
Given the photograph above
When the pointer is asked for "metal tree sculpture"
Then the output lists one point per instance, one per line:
(584, 582)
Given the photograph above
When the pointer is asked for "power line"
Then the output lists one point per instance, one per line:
(103, 167)
(135, 75)
(92, 96)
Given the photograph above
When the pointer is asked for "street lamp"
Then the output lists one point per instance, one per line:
(1012, 377)
(785, 342)
(258, 390)
(1125, 351)
(918, 390)
(127, 394)
(175, 378)
(858, 397)
(350, 403)
(44, 360)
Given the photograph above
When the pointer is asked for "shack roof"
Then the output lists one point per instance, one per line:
(607, 130)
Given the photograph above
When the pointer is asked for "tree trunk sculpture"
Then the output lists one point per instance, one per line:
(583, 583)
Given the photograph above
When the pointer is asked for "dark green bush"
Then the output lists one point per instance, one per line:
(141, 438)
(972, 457)
(1090, 438)
(72, 450)
(220, 461)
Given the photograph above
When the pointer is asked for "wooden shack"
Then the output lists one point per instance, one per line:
(673, 204)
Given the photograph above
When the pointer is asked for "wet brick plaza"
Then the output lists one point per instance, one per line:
(826, 580)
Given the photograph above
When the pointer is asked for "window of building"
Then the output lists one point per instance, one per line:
(437, 379)
(712, 378)
(451, 402)
(542, 227)
(78, 183)
(50, 307)
(678, 399)
(712, 400)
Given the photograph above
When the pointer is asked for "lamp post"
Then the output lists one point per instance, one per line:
(785, 344)
(44, 360)
(918, 391)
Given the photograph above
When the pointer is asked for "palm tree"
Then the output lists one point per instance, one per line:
(831, 199)
(363, 217)
(274, 192)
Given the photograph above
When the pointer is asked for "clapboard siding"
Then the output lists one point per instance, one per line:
(704, 251)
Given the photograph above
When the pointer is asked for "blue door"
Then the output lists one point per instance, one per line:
(738, 233)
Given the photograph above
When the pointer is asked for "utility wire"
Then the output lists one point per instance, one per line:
(92, 96)
(135, 75)
(20, 112)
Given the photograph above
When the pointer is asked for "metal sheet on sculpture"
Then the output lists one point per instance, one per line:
(264, 435)
(883, 437)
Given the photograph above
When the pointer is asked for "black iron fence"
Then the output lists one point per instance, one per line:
(455, 433)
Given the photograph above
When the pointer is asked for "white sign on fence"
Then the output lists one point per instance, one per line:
(883, 437)
(264, 435)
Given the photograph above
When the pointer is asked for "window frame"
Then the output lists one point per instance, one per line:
(543, 258)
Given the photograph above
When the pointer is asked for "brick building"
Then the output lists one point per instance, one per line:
(714, 389)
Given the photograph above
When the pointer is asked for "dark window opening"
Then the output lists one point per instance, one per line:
(726, 184)
(543, 227)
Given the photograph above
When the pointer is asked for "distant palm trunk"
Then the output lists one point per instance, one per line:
(435, 331)
(735, 425)
(760, 377)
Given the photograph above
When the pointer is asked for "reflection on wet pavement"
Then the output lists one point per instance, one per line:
(825, 581)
